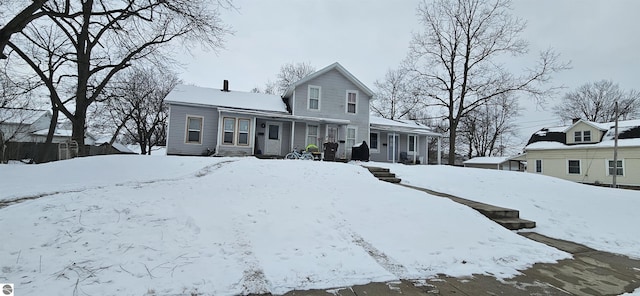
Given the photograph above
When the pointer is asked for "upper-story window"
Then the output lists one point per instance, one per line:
(352, 101)
(582, 136)
(314, 98)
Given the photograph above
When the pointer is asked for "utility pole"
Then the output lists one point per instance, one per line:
(615, 150)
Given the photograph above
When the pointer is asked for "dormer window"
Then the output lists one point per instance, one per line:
(582, 136)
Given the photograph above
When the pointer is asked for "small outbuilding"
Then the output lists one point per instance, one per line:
(496, 163)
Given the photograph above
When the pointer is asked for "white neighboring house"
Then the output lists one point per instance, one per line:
(583, 152)
(496, 163)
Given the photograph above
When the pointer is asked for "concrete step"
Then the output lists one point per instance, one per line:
(390, 179)
(515, 223)
(383, 174)
(377, 169)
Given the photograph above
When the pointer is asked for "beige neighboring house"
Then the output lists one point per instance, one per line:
(583, 152)
(496, 163)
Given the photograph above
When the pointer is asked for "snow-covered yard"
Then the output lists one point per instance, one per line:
(223, 226)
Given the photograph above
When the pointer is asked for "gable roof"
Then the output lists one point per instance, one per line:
(203, 96)
(324, 70)
(590, 123)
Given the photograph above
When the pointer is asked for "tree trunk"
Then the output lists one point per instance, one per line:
(452, 142)
(52, 125)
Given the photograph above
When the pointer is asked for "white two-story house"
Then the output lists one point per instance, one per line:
(327, 106)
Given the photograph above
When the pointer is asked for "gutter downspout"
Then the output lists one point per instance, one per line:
(393, 140)
(415, 148)
(293, 132)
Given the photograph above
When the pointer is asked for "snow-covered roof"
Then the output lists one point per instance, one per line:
(324, 70)
(487, 160)
(407, 126)
(21, 116)
(548, 145)
(118, 146)
(204, 96)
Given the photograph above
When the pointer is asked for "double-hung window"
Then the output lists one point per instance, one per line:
(194, 129)
(412, 143)
(229, 131)
(236, 131)
(538, 165)
(577, 137)
(243, 132)
(314, 97)
(573, 167)
(373, 139)
(352, 99)
(616, 167)
(586, 136)
(312, 135)
(582, 136)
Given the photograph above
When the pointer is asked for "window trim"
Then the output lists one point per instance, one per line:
(606, 167)
(584, 136)
(238, 132)
(355, 104)
(186, 128)
(377, 149)
(579, 167)
(577, 137)
(536, 166)
(309, 97)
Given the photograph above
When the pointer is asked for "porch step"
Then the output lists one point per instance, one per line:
(383, 174)
(515, 223)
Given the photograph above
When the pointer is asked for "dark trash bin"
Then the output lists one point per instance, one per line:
(360, 152)
(330, 150)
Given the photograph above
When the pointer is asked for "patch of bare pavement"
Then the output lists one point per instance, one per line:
(590, 272)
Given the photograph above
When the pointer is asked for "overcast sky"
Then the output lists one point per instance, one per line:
(600, 37)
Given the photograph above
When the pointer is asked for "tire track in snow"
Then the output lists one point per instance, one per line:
(388, 263)
(380, 257)
(253, 279)
(198, 174)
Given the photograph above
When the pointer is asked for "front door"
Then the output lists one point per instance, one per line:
(273, 141)
(392, 147)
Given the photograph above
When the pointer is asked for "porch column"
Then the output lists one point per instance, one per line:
(415, 148)
(293, 132)
(393, 140)
(426, 153)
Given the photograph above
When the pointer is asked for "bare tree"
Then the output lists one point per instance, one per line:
(289, 74)
(595, 101)
(487, 130)
(455, 58)
(18, 22)
(137, 105)
(395, 96)
(95, 39)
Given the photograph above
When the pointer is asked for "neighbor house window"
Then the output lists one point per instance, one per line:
(194, 129)
(582, 136)
(351, 137)
(352, 98)
(229, 130)
(314, 97)
(577, 137)
(312, 135)
(574, 166)
(412, 147)
(373, 139)
(538, 165)
(243, 132)
(615, 168)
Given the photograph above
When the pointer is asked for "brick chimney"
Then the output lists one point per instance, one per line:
(225, 85)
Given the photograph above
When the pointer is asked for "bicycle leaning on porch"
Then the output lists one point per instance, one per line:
(304, 155)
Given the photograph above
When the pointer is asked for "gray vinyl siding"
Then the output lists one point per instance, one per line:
(384, 146)
(333, 100)
(176, 138)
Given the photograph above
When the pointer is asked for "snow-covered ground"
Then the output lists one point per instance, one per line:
(602, 218)
(135, 225)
